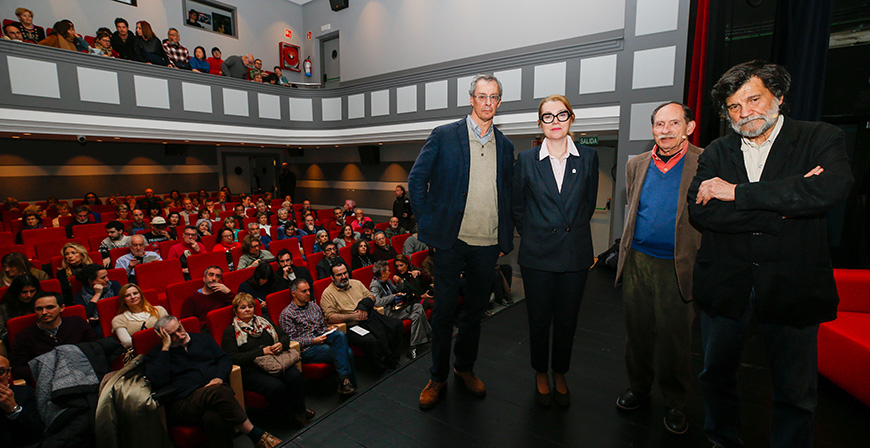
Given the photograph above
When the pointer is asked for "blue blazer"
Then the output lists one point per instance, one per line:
(555, 226)
(438, 184)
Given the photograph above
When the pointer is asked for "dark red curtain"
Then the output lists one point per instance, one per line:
(696, 92)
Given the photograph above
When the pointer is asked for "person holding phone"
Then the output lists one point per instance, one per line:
(555, 187)
(399, 304)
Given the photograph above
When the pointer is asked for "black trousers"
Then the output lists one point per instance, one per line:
(384, 341)
(553, 301)
(213, 407)
(286, 391)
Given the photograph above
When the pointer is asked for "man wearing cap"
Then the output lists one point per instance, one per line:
(158, 231)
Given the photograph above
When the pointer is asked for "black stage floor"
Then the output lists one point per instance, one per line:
(387, 415)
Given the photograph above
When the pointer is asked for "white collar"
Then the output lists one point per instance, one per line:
(544, 152)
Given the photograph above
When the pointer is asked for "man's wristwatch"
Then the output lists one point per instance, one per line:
(15, 411)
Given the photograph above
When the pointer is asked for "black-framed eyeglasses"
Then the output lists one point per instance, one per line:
(482, 98)
(4, 370)
(561, 116)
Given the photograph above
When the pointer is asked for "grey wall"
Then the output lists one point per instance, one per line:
(32, 170)
(384, 36)
(261, 23)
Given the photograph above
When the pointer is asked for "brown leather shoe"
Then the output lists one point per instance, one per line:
(471, 381)
(268, 441)
(431, 394)
(346, 387)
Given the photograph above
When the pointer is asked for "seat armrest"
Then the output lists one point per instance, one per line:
(236, 384)
(342, 327)
(295, 346)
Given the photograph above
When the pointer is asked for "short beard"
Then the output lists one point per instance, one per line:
(769, 116)
(343, 284)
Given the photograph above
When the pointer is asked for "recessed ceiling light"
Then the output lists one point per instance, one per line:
(25, 133)
(99, 141)
(15, 136)
(117, 138)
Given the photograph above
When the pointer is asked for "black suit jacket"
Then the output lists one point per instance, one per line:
(773, 237)
(188, 370)
(438, 184)
(301, 273)
(554, 225)
(27, 428)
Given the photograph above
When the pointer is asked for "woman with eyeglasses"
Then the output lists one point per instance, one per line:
(555, 187)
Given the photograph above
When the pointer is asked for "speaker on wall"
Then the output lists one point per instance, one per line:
(370, 155)
(338, 5)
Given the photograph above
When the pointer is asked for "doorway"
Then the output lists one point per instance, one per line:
(330, 65)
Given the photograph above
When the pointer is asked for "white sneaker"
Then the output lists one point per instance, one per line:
(413, 353)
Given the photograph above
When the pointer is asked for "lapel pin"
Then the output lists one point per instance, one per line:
(574, 171)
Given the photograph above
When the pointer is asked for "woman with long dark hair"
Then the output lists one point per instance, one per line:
(18, 301)
(148, 48)
(260, 284)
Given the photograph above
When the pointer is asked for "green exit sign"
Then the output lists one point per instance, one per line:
(588, 140)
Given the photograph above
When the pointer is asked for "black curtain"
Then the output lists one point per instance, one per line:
(800, 43)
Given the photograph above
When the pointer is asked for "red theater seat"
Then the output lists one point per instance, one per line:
(275, 304)
(157, 274)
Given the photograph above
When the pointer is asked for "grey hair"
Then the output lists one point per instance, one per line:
(380, 267)
(687, 112)
(489, 77)
(161, 323)
(317, 235)
(212, 267)
(294, 286)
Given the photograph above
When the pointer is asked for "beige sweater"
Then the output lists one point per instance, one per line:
(337, 301)
(480, 222)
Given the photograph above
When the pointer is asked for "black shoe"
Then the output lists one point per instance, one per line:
(676, 421)
(630, 401)
(561, 399)
(543, 399)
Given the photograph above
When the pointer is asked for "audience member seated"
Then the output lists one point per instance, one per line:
(153, 211)
(368, 231)
(338, 223)
(394, 229)
(15, 264)
(349, 206)
(147, 46)
(401, 305)
(187, 247)
(12, 31)
(226, 242)
(134, 314)
(138, 223)
(330, 259)
(62, 212)
(309, 228)
(239, 215)
(280, 79)
(123, 40)
(257, 68)
(103, 45)
(306, 209)
(138, 255)
(237, 66)
(148, 201)
(29, 31)
(158, 232)
(10, 203)
(347, 236)
(50, 331)
(289, 230)
(92, 199)
(30, 221)
(413, 280)
(246, 201)
(97, 286)
(122, 212)
(17, 301)
(175, 195)
(211, 296)
(248, 340)
(173, 220)
(360, 219)
(254, 231)
(214, 62)
(288, 272)
(179, 56)
(189, 213)
(252, 255)
(263, 207)
(412, 244)
(203, 227)
(263, 221)
(320, 240)
(260, 284)
(383, 249)
(22, 426)
(349, 301)
(196, 367)
(114, 240)
(81, 216)
(304, 322)
(360, 256)
(198, 62)
(74, 258)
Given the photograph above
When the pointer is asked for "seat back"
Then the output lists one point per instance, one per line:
(52, 285)
(852, 287)
(219, 319)
(291, 244)
(164, 246)
(364, 274)
(31, 237)
(178, 293)
(13, 248)
(344, 253)
(119, 275)
(382, 226)
(157, 274)
(209, 241)
(88, 230)
(398, 242)
(417, 258)
(116, 253)
(47, 249)
(313, 259)
(197, 264)
(308, 243)
(6, 239)
(276, 302)
(319, 287)
(107, 309)
(233, 279)
(17, 324)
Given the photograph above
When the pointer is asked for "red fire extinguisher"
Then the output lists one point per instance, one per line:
(307, 66)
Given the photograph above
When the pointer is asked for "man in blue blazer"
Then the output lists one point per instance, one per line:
(460, 194)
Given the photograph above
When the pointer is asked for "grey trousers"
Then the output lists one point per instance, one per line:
(420, 328)
(658, 328)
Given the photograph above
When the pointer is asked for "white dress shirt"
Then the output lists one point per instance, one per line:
(755, 156)
(558, 165)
